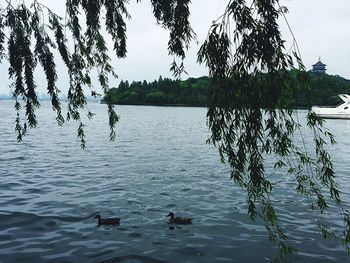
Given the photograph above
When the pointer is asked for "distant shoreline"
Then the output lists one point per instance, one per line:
(186, 106)
(157, 105)
(193, 92)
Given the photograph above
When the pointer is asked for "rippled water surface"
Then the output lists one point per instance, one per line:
(50, 191)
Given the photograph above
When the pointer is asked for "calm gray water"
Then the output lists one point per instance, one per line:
(50, 191)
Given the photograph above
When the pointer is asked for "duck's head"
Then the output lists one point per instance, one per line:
(98, 217)
(171, 214)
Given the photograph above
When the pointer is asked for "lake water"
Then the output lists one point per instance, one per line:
(50, 191)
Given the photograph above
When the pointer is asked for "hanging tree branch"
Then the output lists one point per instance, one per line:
(251, 84)
(249, 119)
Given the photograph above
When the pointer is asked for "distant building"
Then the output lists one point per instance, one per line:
(319, 67)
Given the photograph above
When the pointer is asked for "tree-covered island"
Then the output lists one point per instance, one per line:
(193, 92)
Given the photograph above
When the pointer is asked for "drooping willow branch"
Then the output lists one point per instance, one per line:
(82, 47)
(252, 80)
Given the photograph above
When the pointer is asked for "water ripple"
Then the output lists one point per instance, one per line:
(51, 191)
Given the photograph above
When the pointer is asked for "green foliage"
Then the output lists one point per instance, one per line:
(249, 93)
(174, 15)
(30, 40)
(248, 112)
(191, 92)
(322, 90)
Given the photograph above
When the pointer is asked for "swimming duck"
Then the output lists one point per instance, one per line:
(107, 221)
(179, 220)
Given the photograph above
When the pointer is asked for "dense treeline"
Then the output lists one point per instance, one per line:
(193, 92)
(164, 91)
(324, 90)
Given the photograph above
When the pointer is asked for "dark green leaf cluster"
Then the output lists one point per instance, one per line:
(174, 16)
(2, 39)
(21, 24)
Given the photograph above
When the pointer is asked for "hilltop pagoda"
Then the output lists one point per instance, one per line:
(319, 67)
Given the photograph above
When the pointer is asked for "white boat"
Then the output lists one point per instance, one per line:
(342, 111)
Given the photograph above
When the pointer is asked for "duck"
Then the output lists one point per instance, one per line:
(179, 220)
(107, 221)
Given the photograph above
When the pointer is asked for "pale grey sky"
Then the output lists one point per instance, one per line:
(322, 28)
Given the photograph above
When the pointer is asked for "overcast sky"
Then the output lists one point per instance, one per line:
(322, 29)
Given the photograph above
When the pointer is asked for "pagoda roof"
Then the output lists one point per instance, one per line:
(319, 63)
